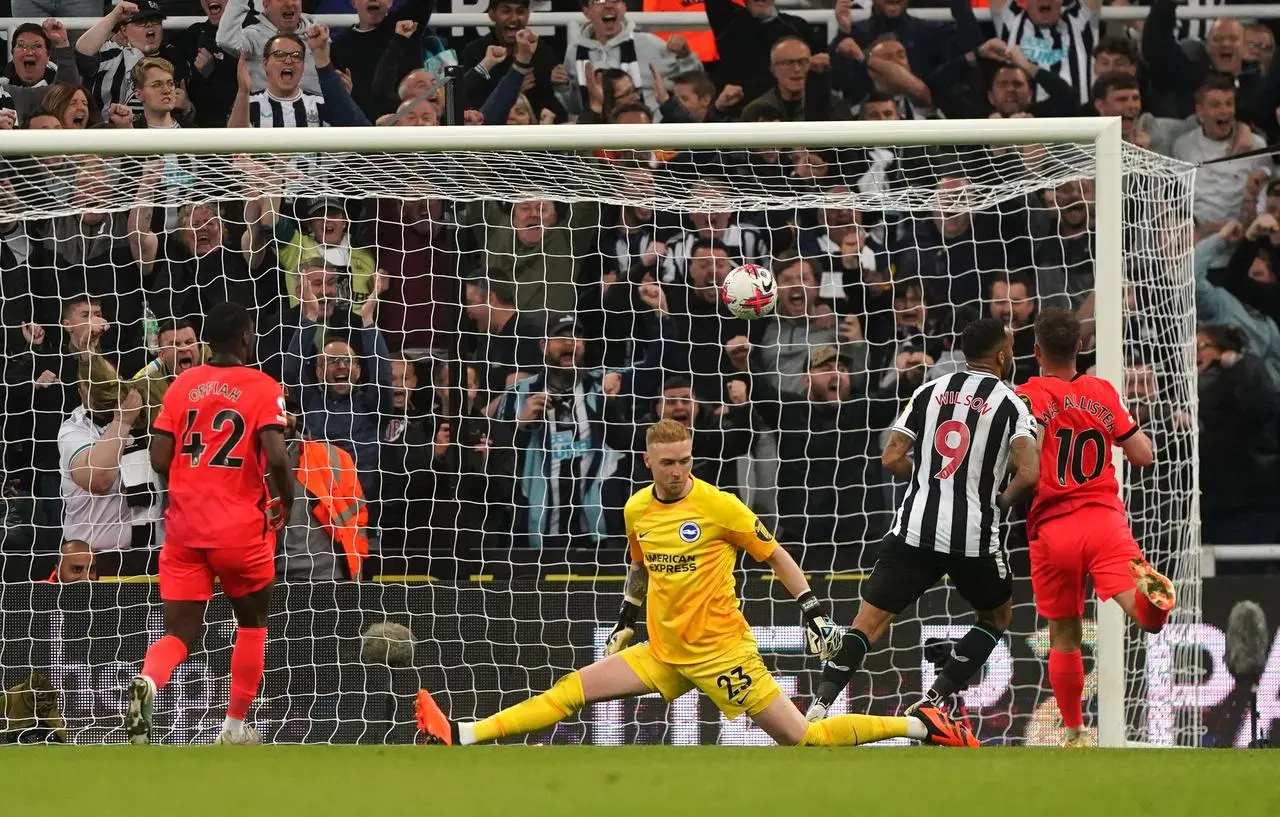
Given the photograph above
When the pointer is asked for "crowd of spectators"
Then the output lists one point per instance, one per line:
(477, 373)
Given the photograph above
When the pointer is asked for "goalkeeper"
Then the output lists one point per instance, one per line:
(683, 535)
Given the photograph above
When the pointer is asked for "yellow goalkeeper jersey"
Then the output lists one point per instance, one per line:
(689, 548)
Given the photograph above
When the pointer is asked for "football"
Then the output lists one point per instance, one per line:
(749, 291)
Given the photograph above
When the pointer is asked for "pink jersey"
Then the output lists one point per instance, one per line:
(1082, 418)
(217, 481)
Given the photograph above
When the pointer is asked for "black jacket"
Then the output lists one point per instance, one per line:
(1238, 437)
(929, 45)
(825, 452)
(359, 51)
(960, 90)
(693, 340)
(541, 96)
(959, 270)
(213, 91)
(417, 486)
(1235, 278)
(744, 43)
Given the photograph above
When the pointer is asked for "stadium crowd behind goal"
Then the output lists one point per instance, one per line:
(472, 370)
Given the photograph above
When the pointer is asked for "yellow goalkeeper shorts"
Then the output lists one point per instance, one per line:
(736, 680)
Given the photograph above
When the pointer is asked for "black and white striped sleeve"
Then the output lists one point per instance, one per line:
(911, 421)
(1024, 422)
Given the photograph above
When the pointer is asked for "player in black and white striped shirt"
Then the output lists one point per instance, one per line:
(955, 441)
(1057, 35)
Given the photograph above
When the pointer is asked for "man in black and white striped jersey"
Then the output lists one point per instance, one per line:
(1057, 35)
(954, 442)
(108, 66)
(607, 39)
(745, 242)
(237, 36)
(284, 103)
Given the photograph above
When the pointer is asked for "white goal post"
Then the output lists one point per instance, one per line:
(1100, 137)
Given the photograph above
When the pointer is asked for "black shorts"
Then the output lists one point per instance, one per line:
(903, 573)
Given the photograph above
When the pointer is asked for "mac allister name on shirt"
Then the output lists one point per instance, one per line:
(1085, 404)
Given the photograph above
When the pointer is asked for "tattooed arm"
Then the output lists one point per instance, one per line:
(632, 600)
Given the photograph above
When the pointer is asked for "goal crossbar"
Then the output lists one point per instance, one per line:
(707, 136)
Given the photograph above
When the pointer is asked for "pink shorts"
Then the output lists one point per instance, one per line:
(186, 573)
(1093, 542)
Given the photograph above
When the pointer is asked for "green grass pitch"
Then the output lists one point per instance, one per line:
(515, 781)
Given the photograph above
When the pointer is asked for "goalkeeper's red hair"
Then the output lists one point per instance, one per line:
(669, 457)
(666, 431)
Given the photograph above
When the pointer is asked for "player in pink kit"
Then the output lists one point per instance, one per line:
(1077, 525)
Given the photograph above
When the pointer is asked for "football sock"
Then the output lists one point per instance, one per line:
(539, 712)
(854, 730)
(1151, 618)
(233, 725)
(837, 672)
(1066, 677)
(967, 658)
(247, 659)
(162, 658)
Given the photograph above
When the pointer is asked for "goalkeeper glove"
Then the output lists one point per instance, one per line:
(822, 637)
(625, 629)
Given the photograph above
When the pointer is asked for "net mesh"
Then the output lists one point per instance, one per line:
(409, 304)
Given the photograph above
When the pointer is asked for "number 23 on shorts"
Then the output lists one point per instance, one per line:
(735, 684)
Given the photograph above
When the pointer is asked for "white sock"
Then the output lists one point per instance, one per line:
(466, 734)
(916, 730)
(232, 725)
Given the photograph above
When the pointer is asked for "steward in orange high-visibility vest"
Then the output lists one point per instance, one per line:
(329, 476)
(701, 41)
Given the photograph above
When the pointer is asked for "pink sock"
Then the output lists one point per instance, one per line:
(1066, 677)
(1151, 618)
(162, 658)
(248, 657)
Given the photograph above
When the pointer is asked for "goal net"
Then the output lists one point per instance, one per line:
(481, 334)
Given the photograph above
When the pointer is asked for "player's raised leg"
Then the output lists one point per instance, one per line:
(1116, 565)
(617, 676)
(1151, 600)
(1148, 604)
